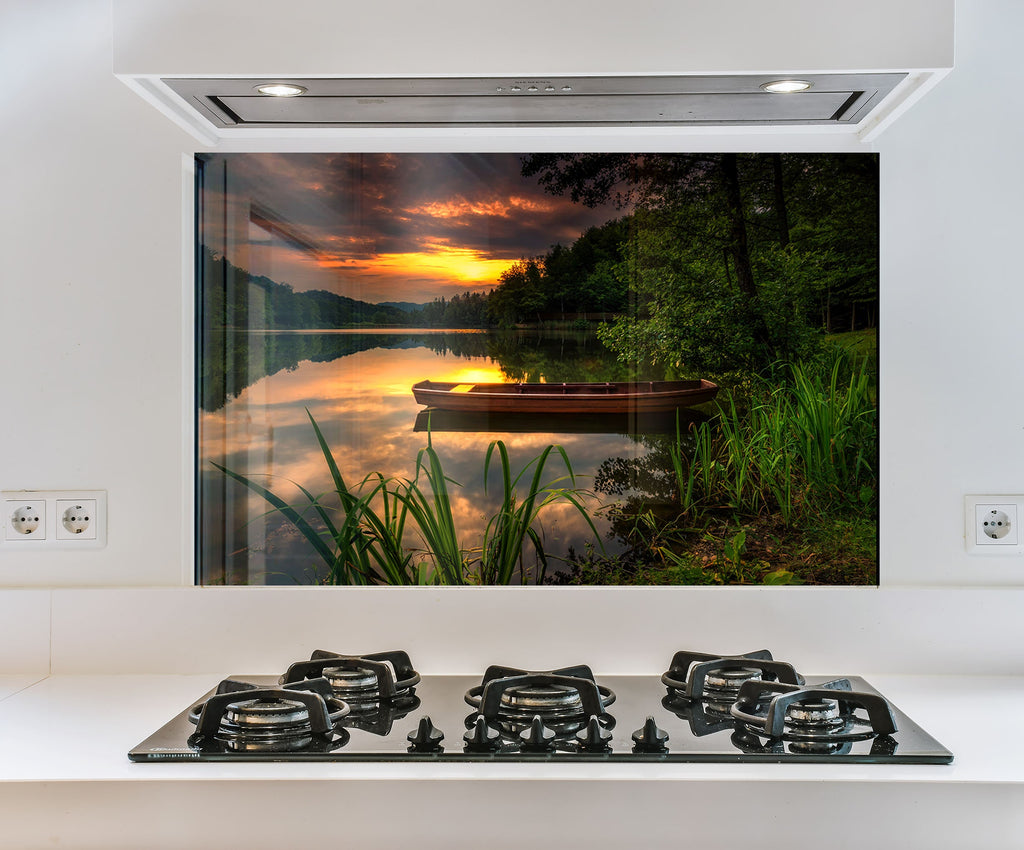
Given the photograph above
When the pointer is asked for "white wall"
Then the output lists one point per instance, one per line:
(952, 292)
(90, 270)
(92, 343)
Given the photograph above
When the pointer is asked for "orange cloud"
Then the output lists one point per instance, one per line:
(500, 207)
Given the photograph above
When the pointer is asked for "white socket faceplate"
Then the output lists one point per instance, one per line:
(992, 525)
(58, 519)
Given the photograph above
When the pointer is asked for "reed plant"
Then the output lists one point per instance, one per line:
(513, 526)
(803, 445)
(362, 539)
(434, 519)
(359, 539)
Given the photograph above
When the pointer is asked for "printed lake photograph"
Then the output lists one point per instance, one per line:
(537, 369)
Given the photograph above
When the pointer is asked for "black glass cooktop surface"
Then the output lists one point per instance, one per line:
(552, 718)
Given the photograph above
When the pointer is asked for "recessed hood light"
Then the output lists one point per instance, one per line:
(280, 89)
(786, 86)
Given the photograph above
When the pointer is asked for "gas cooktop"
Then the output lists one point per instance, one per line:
(704, 708)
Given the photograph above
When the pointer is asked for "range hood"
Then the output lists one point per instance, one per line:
(537, 101)
(668, 66)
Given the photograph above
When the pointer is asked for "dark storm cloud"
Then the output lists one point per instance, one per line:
(361, 205)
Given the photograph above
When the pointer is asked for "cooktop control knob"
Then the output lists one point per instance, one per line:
(538, 738)
(427, 737)
(594, 738)
(481, 738)
(650, 739)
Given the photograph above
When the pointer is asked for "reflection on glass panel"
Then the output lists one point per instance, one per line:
(694, 334)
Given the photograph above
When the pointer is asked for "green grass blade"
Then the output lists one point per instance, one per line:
(286, 510)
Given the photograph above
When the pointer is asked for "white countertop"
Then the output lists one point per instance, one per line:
(12, 684)
(65, 779)
(120, 711)
(64, 741)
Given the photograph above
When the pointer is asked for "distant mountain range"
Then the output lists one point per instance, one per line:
(234, 298)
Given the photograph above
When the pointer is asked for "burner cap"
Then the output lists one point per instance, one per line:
(549, 701)
(814, 715)
(346, 681)
(729, 679)
(269, 714)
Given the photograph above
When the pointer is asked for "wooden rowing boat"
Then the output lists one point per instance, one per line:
(608, 397)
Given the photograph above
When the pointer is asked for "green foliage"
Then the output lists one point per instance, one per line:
(781, 576)
(803, 446)
(363, 539)
(693, 318)
(666, 554)
(727, 567)
(734, 261)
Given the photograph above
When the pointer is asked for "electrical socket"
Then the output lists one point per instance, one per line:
(76, 519)
(991, 525)
(24, 519)
(54, 519)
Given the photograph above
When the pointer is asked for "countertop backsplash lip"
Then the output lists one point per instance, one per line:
(620, 631)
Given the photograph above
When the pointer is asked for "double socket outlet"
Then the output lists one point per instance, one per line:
(54, 519)
(992, 525)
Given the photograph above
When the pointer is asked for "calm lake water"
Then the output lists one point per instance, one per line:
(358, 387)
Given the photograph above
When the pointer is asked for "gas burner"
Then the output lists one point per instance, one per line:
(564, 700)
(243, 717)
(364, 681)
(717, 679)
(813, 719)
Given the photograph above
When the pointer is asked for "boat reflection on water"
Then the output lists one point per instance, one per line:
(435, 420)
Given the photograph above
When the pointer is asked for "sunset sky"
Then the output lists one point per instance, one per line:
(384, 227)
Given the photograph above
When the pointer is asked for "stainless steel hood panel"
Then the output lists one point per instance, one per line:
(580, 101)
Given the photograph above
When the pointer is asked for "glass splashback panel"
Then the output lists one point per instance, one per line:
(640, 368)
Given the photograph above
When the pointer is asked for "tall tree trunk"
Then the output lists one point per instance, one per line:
(781, 214)
(738, 247)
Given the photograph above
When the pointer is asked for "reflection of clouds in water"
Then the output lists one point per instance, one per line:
(365, 408)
